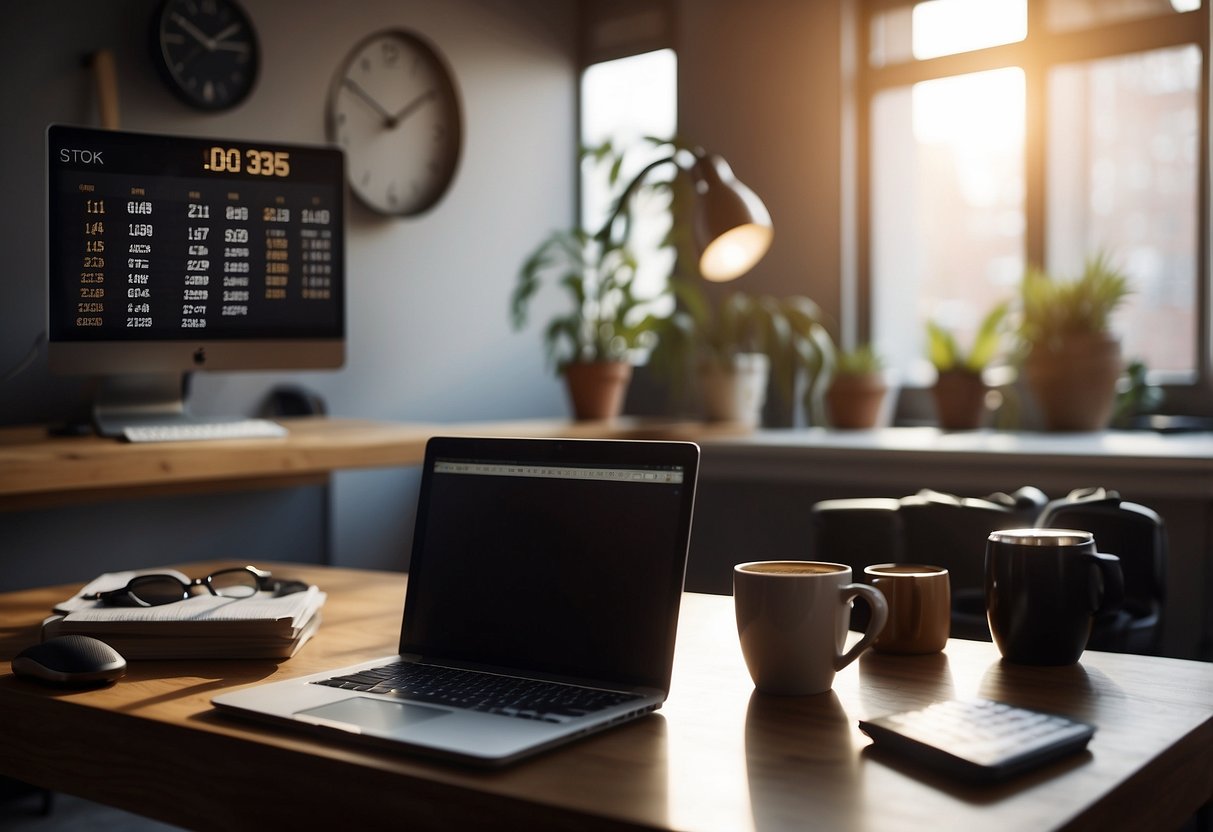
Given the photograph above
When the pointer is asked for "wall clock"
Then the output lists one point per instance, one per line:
(206, 51)
(395, 110)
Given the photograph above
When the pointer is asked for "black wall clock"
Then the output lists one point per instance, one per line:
(206, 51)
(395, 110)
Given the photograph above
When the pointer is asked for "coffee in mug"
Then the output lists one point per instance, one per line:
(1043, 589)
(792, 620)
(920, 607)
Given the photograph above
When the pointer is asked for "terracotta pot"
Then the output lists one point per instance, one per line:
(960, 400)
(597, 388)
(1075, 384)
(736, 391)
(854, 402)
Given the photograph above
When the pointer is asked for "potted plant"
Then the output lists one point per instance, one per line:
(741, 343)
(960, 391)
(857, 389)
(592, 342)
(1071, 361)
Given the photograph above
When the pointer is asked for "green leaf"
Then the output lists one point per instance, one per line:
(941, 347)
(988, 339)
(862, 360)
(616, 167)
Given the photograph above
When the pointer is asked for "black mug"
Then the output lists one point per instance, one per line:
(1043, 589)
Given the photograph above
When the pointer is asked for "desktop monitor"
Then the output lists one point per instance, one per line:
(168, 255)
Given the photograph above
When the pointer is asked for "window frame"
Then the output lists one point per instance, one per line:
(1036, 55)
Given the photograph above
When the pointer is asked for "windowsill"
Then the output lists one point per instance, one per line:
(1119, 443)
(1147, 463)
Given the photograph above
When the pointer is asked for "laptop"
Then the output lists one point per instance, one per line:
(543, 596)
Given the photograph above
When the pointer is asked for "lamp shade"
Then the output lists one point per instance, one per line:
(731, 225)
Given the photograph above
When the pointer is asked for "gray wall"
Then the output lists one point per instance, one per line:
(759, 83)
(429, 337)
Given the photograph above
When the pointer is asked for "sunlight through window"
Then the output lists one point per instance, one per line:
(954, 210)
(946, 27)
(625, 101)
(948, 222)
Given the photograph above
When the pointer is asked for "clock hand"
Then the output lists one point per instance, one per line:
(194, 32)
(388, 120)
(221, 40)
(411, 107)
(230, 30)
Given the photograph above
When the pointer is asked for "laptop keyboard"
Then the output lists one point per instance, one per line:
(488, 692)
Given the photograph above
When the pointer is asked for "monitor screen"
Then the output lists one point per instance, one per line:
(169, 254)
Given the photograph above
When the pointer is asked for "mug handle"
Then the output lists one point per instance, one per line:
(880, 614)
(1113, 594)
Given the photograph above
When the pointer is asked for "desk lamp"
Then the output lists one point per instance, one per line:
(732, 229)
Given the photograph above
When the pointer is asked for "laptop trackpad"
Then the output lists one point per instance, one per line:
(373, 716)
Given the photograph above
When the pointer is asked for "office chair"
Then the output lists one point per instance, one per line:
(857, 532)
(928, 527)
(1137, 536)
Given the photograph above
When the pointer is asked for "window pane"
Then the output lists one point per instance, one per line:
(945, 27)
(892, 37)
(1076, 14)
(1123, 177)
(947, 209)
(625, 101)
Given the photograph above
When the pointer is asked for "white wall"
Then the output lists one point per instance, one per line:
(429, 335)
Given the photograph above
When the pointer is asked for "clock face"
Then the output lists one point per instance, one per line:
(395, 111)
(206, 50)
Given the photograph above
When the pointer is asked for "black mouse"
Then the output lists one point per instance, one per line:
(74, 661)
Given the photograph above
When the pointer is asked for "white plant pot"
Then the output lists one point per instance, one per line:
(737, 391)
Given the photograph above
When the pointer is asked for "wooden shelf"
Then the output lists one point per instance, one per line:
(37, 470)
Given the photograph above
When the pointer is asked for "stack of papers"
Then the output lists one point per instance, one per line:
(203, 626)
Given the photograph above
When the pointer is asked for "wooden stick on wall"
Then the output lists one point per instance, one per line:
(105, 84)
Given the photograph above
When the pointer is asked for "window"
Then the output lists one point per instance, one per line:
(1006, 132)
(625, 101)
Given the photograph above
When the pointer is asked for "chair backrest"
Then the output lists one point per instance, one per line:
(857, 532)
(928, 527)
(951, 531)
(1132, 532)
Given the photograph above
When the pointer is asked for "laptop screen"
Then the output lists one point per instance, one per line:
(563, 557)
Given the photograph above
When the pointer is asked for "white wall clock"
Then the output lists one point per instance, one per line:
(395, 110)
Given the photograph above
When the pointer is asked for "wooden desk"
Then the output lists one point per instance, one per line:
(717, 756)
(38, 470)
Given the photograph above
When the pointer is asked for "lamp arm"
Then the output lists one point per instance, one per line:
(604, 235)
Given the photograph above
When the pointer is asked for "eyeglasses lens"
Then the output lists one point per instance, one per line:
(234, 583)
(155, 590)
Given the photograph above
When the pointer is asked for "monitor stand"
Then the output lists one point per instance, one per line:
(122, 401)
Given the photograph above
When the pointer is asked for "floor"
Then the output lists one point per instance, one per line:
(71, 814)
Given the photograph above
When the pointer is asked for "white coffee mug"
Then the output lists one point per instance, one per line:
(792, 619)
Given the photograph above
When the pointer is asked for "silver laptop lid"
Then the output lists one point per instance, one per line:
(557, 557)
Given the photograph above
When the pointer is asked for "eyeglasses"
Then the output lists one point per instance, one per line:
(158, 589)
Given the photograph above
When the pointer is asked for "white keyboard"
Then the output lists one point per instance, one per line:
(193, 431)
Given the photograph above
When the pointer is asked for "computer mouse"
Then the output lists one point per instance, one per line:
(71, 661)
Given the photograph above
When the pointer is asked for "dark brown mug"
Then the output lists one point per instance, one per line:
(1043, 589)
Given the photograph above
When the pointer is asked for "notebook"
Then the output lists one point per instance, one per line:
(542, 604)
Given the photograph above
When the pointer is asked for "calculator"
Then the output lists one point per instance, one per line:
(978, 739)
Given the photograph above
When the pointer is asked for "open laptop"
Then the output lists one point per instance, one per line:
(542, 603)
